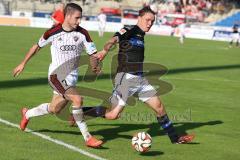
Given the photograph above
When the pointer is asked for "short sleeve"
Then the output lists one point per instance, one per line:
(90, 47)
(88, 43)
(121, 35)
(43, 42)
(45, 39)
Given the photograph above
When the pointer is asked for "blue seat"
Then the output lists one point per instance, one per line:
(229, 21)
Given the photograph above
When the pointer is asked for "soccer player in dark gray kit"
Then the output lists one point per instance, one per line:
(130, 80)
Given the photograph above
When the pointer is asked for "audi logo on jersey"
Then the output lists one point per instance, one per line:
(68, 47)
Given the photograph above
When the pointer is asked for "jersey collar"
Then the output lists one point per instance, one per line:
(139, 30)
(68, 31)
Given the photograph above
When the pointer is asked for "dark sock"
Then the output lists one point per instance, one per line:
(98, 111)
(167, 126)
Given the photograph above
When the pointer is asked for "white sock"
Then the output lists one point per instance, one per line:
(40, 110)
(78, 116)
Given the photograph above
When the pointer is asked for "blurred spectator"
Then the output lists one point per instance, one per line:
(235, 36)
(196, 9)
(102, 18)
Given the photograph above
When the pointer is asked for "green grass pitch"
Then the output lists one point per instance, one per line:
(204, 99)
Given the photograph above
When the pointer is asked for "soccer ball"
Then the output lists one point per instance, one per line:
(141, 142)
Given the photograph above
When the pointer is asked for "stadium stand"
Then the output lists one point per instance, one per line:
(229, 21)
(23, 5)
(200, 11)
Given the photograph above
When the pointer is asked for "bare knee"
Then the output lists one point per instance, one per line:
(53, 110)
(57, 104)
(156, 105)
(77, 101)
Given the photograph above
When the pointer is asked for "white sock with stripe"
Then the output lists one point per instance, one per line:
(40, 110)
(78, 116)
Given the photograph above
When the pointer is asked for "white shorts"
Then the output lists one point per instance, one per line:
(61, 85)
(128, 84)
(235, 37)
(101, 26)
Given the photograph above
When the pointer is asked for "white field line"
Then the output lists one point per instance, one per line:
(71, 147)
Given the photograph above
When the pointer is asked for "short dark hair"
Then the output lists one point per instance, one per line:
(145, 10)
(70, 7)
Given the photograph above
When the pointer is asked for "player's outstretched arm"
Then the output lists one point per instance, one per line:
(33, 50)
(101, 54)
(95, 64)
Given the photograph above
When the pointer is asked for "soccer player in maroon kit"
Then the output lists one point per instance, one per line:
(68, 41)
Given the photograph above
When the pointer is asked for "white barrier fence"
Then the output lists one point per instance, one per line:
(195, 31)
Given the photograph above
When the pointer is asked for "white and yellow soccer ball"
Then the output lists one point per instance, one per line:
(142, 142)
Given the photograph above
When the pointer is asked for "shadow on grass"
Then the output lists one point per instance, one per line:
(152, 153)
(116, 130)
(154, 130)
